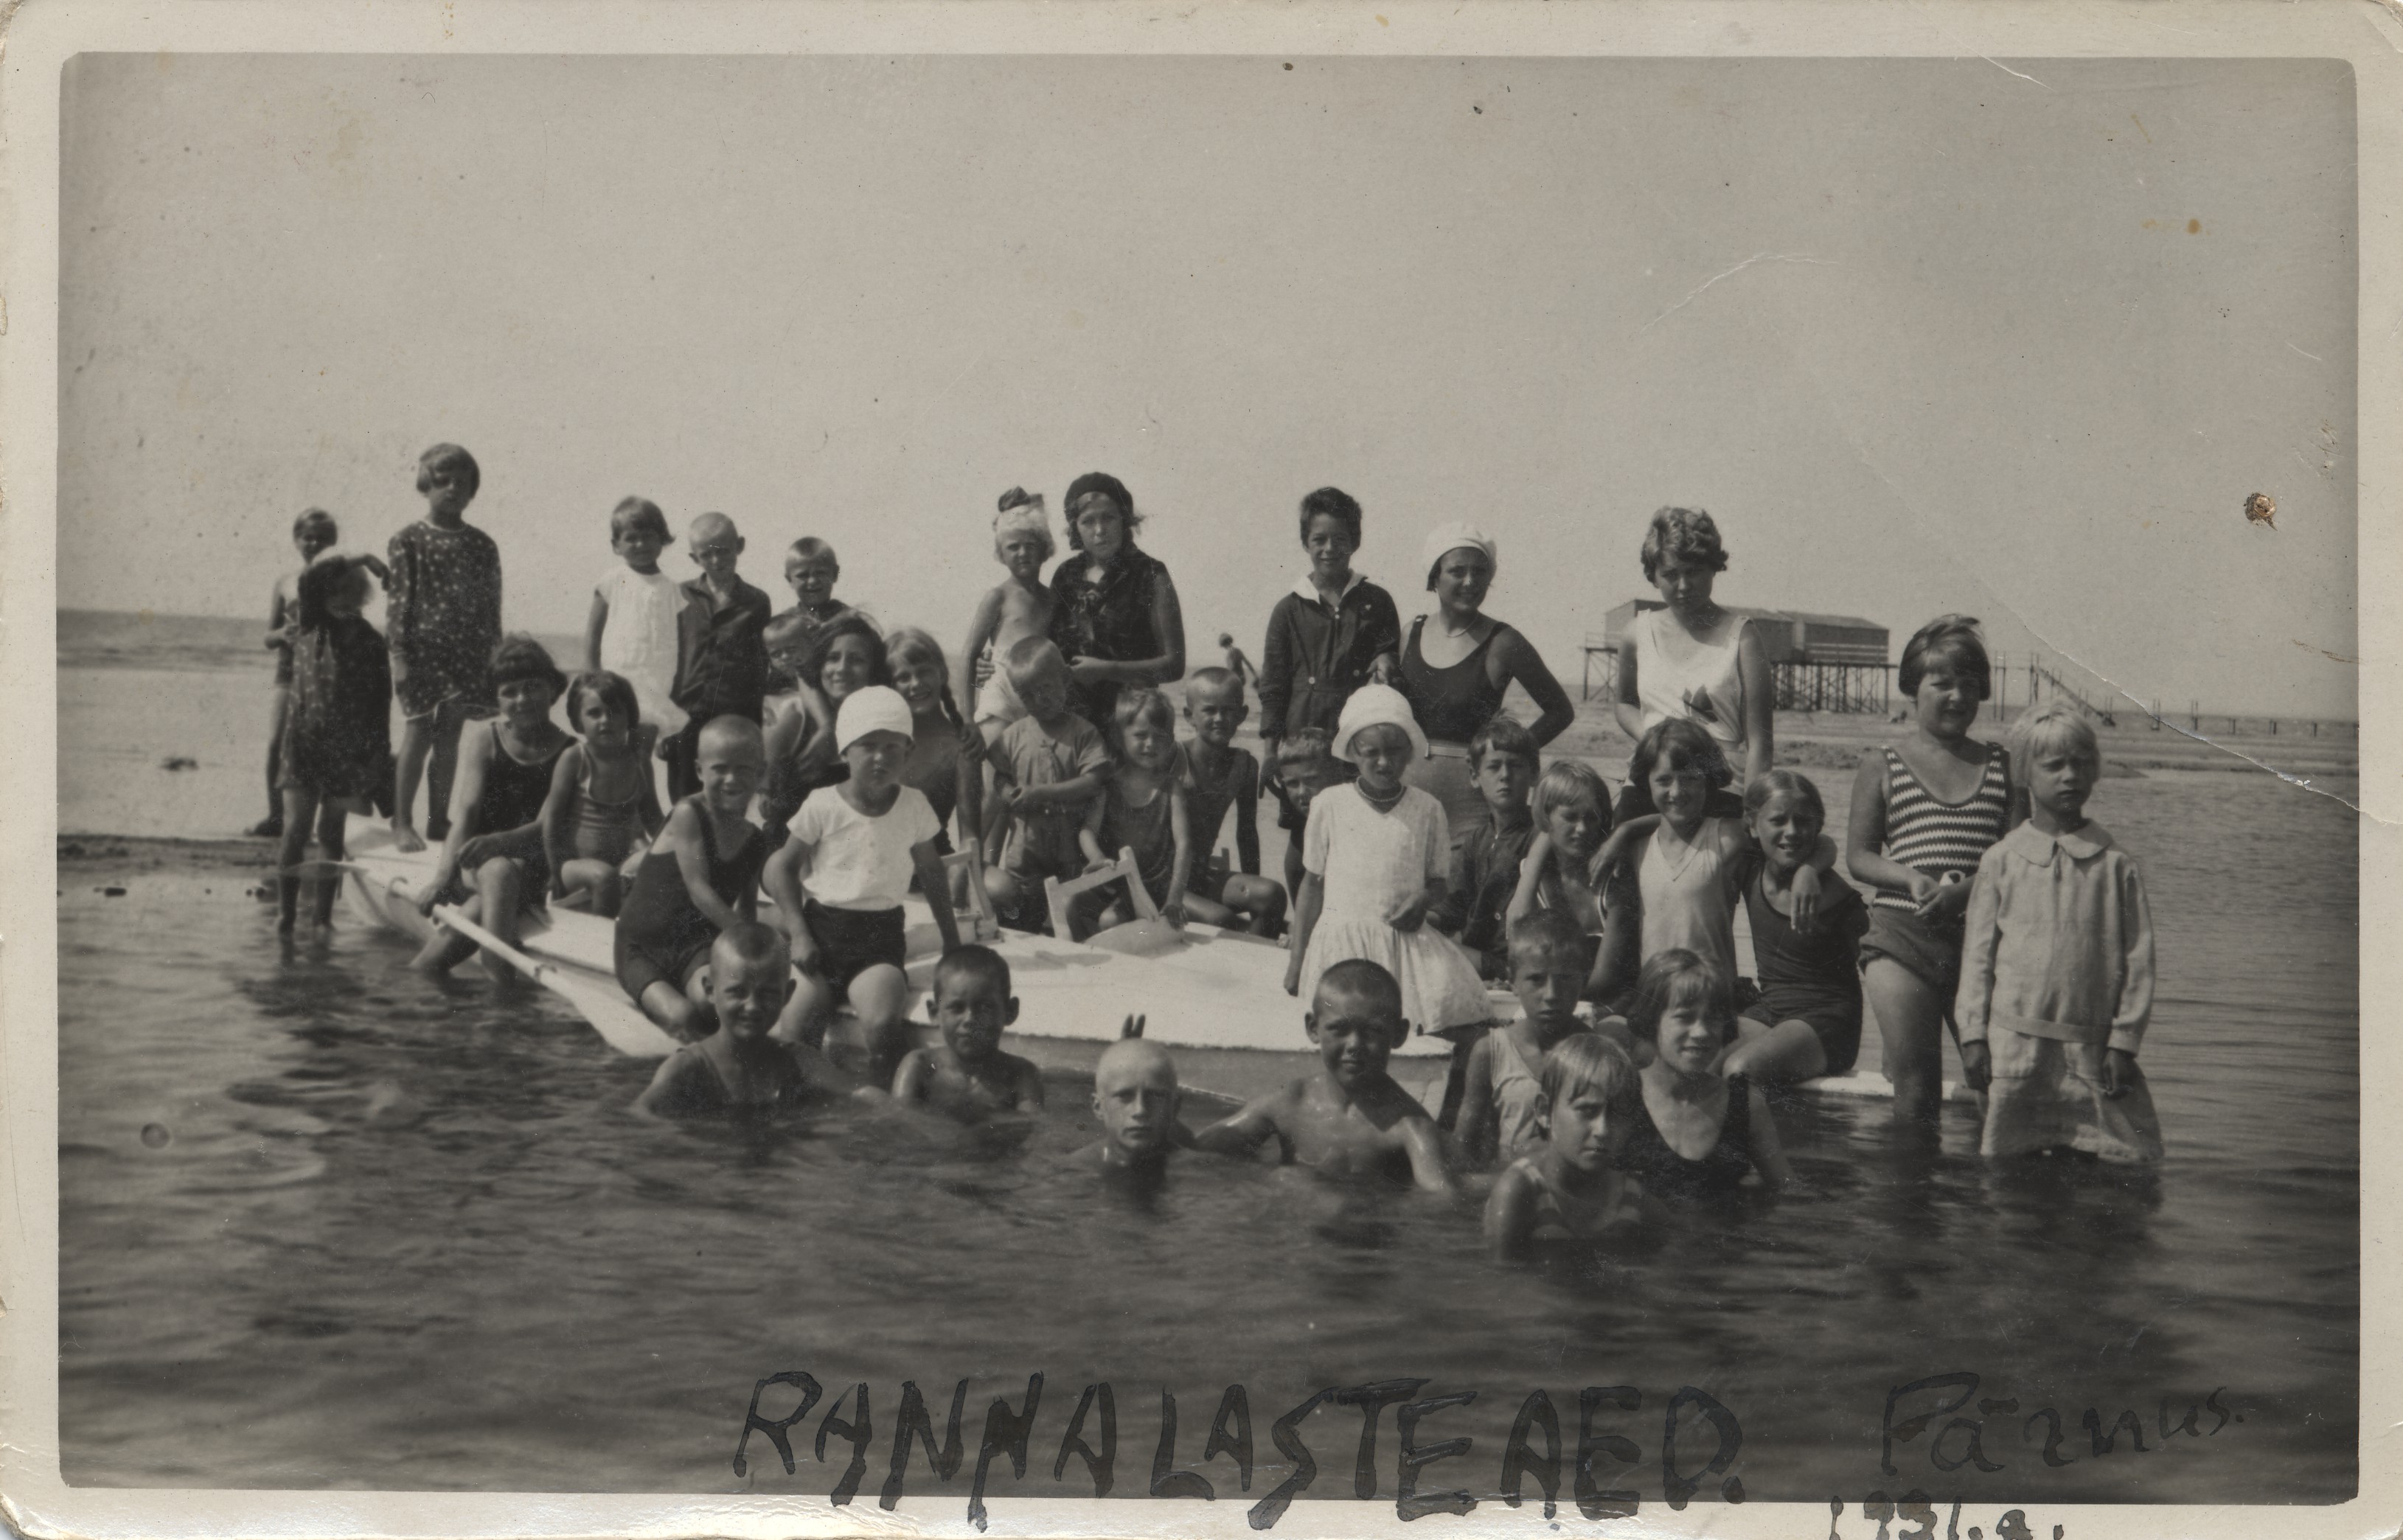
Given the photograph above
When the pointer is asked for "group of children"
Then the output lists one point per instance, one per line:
(1637, 1051)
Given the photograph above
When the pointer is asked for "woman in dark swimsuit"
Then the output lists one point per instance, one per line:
(1456, 671)
(1113, 609)
(1701, 1133)
(492, 864)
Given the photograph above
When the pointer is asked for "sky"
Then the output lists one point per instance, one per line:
(1923, 336)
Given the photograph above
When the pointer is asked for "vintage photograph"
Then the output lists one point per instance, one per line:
(1561, 784)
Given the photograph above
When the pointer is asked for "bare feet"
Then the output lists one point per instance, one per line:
(405, 838)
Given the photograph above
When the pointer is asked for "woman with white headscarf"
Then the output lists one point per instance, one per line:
(1456, 670)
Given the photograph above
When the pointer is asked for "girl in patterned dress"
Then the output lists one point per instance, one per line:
(1924, 811)
(442, 617)
(337, 737)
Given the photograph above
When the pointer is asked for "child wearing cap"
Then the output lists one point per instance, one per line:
(1376, 855)
(838, 883)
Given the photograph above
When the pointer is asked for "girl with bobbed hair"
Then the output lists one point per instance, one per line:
(1115, 614)
(1694, 659)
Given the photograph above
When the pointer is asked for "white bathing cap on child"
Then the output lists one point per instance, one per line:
(1457, 535)
(878, 708)
(1377, 705)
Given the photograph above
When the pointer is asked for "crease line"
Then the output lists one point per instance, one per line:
(1755, 257)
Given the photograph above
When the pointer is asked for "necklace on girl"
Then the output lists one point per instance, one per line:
(1382, 804)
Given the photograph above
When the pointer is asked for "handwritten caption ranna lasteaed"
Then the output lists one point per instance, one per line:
(1698, 1442)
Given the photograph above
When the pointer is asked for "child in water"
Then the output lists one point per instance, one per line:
(1349, 1119)
(739, 1067)
(1567, 1187)
(1701, 1133)
(338, 729)
(311, 533)
(442, 620)
(856, 844)
(699, 879)
(1010, 612)
(2057, 975)
(1136, 1097)
(967, 1076)
(1502, 1102)
(1141, 809)
(1807, 1021)
(1219, 776)
(603, 803)
(1377, 853)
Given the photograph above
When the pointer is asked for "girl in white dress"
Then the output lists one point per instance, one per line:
(1693, 658)
(1374, 858)
(632, 632)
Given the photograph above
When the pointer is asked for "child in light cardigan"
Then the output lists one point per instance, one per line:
(2057, 974)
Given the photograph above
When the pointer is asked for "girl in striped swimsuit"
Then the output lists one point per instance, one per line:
(1924, 812)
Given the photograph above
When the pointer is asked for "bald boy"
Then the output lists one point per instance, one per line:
(721, 647)
(1135, 1095)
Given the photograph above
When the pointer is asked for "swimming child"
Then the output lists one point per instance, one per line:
(1048, 767)
(967, 1076)
(1219, 776)
(1376, 855)
(1349, 1119)
(1333, 633)
(740, 1066)
(602, 803)
(632, 628)
(845, 655)
(1690, 867)
(493, 865)
(812, 571)
(1693, 658)
(337, 731)
(1142, 808)
(855, 845)
(442, 620)
(311, 533)
(700, 878)
(1136, 1097)
(1701, 1131)
(1503, 763)
(1010, 612)
(1502, 1102)
(1924, 811)
(1305, 765)
(721, 658)
(1807, 1020)
(1568, 1187)
(2057, 976)
(946, 754)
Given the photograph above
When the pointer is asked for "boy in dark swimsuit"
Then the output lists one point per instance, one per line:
(738, 1066)
(1349, 1119)
(699, 879)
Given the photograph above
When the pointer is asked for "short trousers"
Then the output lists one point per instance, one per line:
(639, 966)
(1931, 952)
(851, 941)
(1834, 1019)
(997, 702)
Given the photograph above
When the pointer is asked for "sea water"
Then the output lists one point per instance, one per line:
(326, 1223)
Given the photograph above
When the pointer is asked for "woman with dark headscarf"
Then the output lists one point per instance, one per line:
(1115, 615)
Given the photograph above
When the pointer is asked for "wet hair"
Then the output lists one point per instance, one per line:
(1784, 783)
(1332, 502)
(1566, 780)
(316, 518)
(634, 514)
(453, 463)
(909, 644)
(1676, 978)
(1359, 976)
(1951, 637)
(1543, 932)
(1108, 485)
(1680, 744)
(1505, 735)
(2052, 724)
(809, 547)
(752, 941)
(976, 962)
(1305, 747)
(853, 624)
(1687, 536)
(1584, 1059)
(1027, 653)
(520, 657)
(1140, 705)
(614, 692)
